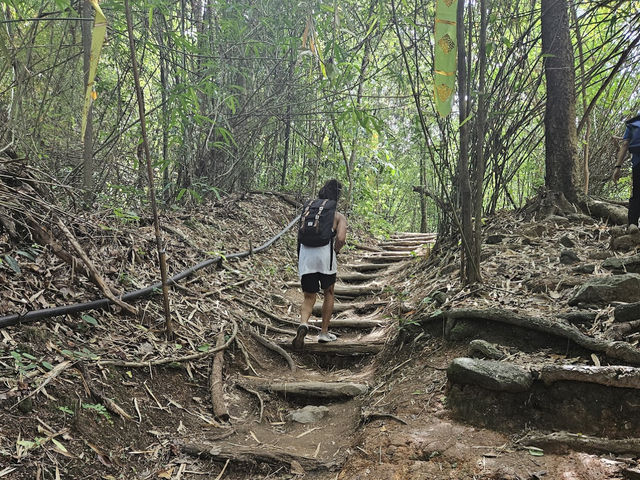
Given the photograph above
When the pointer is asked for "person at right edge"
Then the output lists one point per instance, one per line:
(631, 144)
(317, 261)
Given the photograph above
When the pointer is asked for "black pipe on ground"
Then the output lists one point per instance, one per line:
(36, 315)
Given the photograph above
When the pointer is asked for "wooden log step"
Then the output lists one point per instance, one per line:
(412, 236)
(404, 253)
(409, 244)
(403, 248)
(352, 323)
(365, 267)
(222, 452)
(339, 347)
(349, 291)
(359, 307)
(611, 376)
(356, 277)
(359, 246)
(583, 442)
(308, 389)
(388, 258)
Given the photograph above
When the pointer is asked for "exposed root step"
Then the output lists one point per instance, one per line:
(339, 347)
(402, 248)
(349, 291)
(357, 277)
(308, 389)
(413, 236)
(387, 258)
(410, 244)
(368, 248)
(365, 267)
(398, 253)
(589, 399)
(352, 323)
(504, 376)
(358, 307)
(583, 442)
(614, 350)
(222, 452)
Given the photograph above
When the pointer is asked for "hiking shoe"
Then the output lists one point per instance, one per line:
(326, 337)
(298, 341)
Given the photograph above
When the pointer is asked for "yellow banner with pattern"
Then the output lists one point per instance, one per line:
(446, 49)
(97, 39)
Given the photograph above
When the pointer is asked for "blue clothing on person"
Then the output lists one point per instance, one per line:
(635, 157)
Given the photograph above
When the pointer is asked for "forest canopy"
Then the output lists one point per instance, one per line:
(280, 95)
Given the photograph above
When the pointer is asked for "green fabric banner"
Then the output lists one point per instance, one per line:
(97, 39)
(446, 50)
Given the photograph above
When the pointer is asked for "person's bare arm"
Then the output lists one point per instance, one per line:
(341, 231)
(622, 153)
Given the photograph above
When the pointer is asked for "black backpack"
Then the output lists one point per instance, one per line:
(634, 141)
(316, 222)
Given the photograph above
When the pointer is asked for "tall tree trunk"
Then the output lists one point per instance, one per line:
(480, 126)
(87, 152)
(560, 114)
(468, 269)
(287, 135)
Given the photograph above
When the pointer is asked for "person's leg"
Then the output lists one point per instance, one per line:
(310, 286)
(307, 306)
(327, 282)
(327, 307)
(634, 201)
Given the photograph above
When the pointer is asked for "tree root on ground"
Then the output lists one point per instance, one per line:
(582, 442)
(613, 349)
(273, 347)
(308, 389)
(260, 454)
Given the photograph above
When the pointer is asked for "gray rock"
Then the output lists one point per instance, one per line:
(599, 254)
(630, 264)
(482, 348)
(308, 414)
(489, 374)
(586, 268)
(580, 218)
(604, 290)
(494, 239)
(569, 257)
(567, 242)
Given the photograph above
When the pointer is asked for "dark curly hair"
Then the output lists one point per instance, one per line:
(331, 190)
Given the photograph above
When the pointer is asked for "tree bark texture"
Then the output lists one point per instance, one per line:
(215, 382)
(560, 115)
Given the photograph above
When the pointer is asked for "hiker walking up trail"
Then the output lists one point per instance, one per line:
(321, 235)
(631, 144)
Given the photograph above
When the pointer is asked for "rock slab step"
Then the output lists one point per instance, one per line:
(489, 374)
(604, 290)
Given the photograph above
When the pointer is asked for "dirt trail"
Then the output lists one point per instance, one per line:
(390, 411)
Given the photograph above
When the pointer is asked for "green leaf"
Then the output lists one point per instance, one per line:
(204, 348)
(13, 264)
(29, 356)
(89, 319)
(47, 365)
(25, 254)
(59, 445)
(26, 443)
(535, 451)
(66, 410)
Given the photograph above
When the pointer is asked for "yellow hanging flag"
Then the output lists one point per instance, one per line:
(446, 50)
(97, 39)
